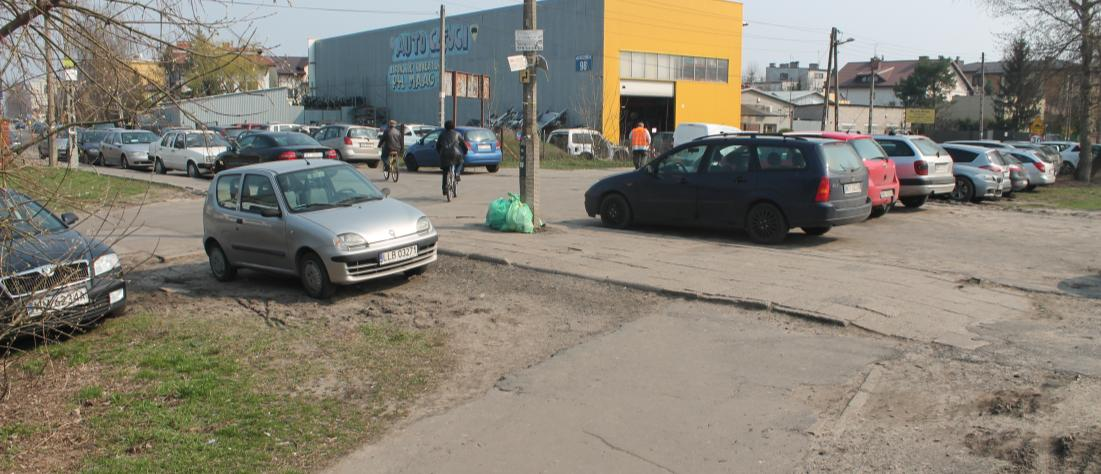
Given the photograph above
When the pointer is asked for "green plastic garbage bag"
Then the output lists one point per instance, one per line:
(498, 212)
(519, 218)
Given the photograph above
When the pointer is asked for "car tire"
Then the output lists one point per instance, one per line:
(493, 168)
(99, 160)
(416, 271)
(373, 164)
(193, 170)
(220, 265)
(766, 224)
(914, 202)
(158, 166)
(880, 211)
(124, 163)
(615, 212)
(314, 276)
(1067, 169)
(816, 231)
(411, 163)
(964, 190)
(1031, 188)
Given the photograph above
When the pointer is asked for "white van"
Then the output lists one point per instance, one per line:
(687, 132)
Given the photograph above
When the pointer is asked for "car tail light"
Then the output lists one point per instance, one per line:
(1040, 166)
(1015, 168)
(994, 168)
(331, 154)
(469, 146)
(347, 140)
(287, 155)
(921, 168)
(823, 194)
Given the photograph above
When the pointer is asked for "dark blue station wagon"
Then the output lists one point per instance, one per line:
(764, 185)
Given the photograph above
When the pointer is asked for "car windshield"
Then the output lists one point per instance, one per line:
(23, 217)
(325, 188)
(868, 149)
(422, 131)
(370, 133)
(841, 158)
(479, 135)
(93, 137)
(928, 147)
(136, 138)
(293, 139)
(205, 140)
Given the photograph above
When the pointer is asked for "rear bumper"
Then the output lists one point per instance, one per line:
(482, 159)
(927, 185)
(829, 214)
(360, 154)
(875, 193)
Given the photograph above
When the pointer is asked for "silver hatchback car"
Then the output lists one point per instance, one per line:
(318, 219)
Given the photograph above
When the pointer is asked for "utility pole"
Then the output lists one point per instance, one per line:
(529, 163)
(871, 100)
(829, 77)
(50, 106)
(982, 98)
(836, 86)
(443, 64)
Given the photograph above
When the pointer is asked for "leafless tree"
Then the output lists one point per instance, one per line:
(1068, 30)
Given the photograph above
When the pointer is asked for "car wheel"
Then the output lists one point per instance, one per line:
(193, 170)
(124, 163)
(1067, 169)
(373, 164)
(99, 160)
(615, 212)
(816, 231)
(158, 167)
(964, 190)
(315, 278)
(766, 224)
(411, 163)
(493, 168)
(914, 202)
(1031, 188)
(220, 265)
(881, 211)
(416, 271)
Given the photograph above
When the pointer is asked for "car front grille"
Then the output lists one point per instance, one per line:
(364, 268)
(44, 278)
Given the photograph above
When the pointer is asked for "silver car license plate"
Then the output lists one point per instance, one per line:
(397, 255)
(886, 193)
(942, 167)
(484, 147)
(853, 188)
(315, 154)
(58, 301)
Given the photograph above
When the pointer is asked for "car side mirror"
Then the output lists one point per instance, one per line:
(386, 192)
(271, 213)
(69, 218)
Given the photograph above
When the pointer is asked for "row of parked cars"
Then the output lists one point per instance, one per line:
(770, 184)
(204, 152)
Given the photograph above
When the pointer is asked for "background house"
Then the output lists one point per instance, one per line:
(764, 112)
(793, 77)
(292, 72)
(855, 80)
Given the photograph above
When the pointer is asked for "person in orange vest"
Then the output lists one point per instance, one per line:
(640, 144)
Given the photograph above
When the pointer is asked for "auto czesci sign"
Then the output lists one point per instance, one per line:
(414, 55)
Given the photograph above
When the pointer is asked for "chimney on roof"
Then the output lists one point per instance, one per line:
(772, 65)
(814, 66)
(795, 64)
(923, 58)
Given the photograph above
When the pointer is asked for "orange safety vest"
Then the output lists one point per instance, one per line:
(639, 138)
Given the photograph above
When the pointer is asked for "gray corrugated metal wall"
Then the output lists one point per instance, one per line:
(263, 106)
(358, 64)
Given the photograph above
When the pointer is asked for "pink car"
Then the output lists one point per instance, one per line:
(883, 185)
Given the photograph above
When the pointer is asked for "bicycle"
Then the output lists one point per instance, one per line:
(391, 172)
(452, 191)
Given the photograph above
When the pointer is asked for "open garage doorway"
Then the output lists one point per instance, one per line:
(652, 103)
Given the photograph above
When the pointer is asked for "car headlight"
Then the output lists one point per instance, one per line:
(423, 224)
(350, 242)
(105, 263)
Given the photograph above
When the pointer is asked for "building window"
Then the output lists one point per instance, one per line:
(667, 67)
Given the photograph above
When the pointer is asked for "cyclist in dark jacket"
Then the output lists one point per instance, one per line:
(392, 143)
(452, 150)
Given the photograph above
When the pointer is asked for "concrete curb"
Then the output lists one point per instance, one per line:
(751, 304)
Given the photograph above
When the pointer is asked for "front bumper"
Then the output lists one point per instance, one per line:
(927, 185)
(347, 269)
(139, 160)
(106, 296)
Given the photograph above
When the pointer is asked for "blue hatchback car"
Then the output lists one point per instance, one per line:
(485, 150)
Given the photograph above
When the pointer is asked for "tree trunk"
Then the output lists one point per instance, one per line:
(1085, 117)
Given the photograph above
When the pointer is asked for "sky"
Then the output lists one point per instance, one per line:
(778, 31)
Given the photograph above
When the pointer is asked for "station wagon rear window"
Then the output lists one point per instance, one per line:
(841, 158)
(480, 135)
(928, 147)
(868, 149)
(363, 133)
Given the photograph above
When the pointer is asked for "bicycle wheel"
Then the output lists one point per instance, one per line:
(450, 185)
(394, 171)
(386, 172)
(454, 184)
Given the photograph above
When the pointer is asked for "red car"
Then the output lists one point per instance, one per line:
(883, 182)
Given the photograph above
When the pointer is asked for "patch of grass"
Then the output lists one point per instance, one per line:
(33, 366)
(553, 158)
(190, 393)
(64, 190)
(15, 430)
(1063, 195)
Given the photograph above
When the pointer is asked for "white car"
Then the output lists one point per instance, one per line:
(285, 127)
(1069, 151)
(576, 141)
(413, 133)
(191, 151)
(687, 132)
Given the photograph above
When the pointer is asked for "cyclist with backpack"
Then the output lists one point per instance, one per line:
(452, 150)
